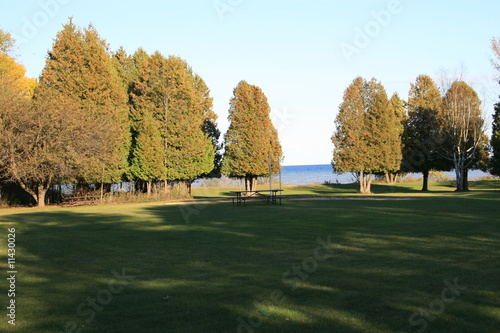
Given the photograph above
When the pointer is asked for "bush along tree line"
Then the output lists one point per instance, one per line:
(435, 131)
(96, 117)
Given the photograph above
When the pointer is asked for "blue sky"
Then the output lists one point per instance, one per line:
(302, 53)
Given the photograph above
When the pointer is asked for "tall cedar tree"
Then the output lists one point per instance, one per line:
(349, 137)
(169, 90)
(126, 68)
(147, 162)
(463, 129)
(251, 136)
(421, 137)
(80, 66)
(128, 71)
(367, 138)
(210, 127)
(398, 108)
(190, 152)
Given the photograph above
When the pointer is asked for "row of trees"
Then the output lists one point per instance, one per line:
(434, 130)
(97, 117)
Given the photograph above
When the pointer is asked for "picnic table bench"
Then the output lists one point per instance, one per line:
(271, 196)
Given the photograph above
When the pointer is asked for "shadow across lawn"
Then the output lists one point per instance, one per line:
(222, 272)
(353, 190)
(402, 189)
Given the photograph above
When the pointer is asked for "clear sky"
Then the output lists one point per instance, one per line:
(302, 53)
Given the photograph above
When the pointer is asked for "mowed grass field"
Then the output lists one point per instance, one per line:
(407, 262)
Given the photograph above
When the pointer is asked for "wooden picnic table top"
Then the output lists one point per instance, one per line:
(256, 191)
(271, 195)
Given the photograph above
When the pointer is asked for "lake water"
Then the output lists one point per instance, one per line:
(322, 173)
(291, 175)
(313, 174)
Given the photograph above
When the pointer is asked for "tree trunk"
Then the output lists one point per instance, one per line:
(365, 181)
(40, 196)
(184, 188)
(425, 181)
(148, 188)
(391, 177)
(38, 193)
(107, 187)
(249, 183)
(465, 180)
(459, 180)
(361, 182)
(460, 172)
(395, 177)
(137, 186)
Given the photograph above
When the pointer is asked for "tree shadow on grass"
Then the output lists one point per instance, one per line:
(220, 270)
(405, 190)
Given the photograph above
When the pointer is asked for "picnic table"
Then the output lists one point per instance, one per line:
(270, 195)
(76, 200)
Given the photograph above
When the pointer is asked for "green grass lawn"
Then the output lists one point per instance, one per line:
(261, 268)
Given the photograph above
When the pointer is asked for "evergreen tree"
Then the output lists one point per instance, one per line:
(190, 152)
(399, 112)
(80, 67)
(367, 137)
(421, 137)
(179, 101)
(210, 127)
(147, 159)
(495, 142)
(383, 125)
(348, 137)
(251, 137)
(125, 68)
